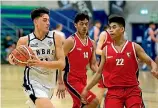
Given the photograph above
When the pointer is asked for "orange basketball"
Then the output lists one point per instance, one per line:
(21, 54)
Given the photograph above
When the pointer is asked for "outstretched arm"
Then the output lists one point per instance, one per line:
(145, 58)
(93, 62)
(98, 74)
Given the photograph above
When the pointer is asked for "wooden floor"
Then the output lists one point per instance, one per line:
(12, 95)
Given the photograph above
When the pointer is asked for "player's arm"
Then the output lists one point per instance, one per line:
(98, 74)
(21, 41)
(102, 38)
(145, 58)
(95, 78)
(93, 61)
(67, 46)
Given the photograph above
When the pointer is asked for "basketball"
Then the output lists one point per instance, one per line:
(21, 54)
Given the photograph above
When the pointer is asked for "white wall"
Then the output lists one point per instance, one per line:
(101, 5)
(48, 4)
(134, 16)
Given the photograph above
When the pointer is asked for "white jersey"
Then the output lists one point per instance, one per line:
(44, 50)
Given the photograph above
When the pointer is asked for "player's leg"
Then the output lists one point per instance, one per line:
(75, 89)
(113, 99)
(38, 94)
(43, 103)
(134, 98)
(134, 102)
(101, 92)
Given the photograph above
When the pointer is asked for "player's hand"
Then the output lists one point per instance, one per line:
(83, 96)
(154, 71)
(61, 91)
(34, 61)
(12, 60)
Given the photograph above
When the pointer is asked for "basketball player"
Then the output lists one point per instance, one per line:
(119, 67)
(40, 72)
(104, 39)
(156, 46)
(80, 51)
(149, 39)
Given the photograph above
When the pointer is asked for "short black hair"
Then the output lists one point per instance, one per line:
(81, 16)
(38, 12)
(151, 23)
(117, 19)
(97, 21)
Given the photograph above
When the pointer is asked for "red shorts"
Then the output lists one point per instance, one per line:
(120, 97)
(75, 87)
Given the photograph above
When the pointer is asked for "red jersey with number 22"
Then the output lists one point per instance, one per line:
(120, 68)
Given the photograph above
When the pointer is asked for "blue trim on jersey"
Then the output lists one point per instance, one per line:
(66, 79)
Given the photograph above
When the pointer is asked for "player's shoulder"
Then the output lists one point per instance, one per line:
(70, 40)
(92, 41)
(23, 40)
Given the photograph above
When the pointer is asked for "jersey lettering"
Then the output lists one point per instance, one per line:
(119, 61)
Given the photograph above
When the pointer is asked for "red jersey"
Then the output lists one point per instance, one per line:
(79, 57)
(120, 68)
(107, 41)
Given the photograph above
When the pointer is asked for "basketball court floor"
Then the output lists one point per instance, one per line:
(12, 95)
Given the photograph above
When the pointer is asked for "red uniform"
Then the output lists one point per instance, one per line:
(106, 42)
(75, 77)
(119, 76)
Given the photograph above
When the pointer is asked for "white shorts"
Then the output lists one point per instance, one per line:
(35, 90)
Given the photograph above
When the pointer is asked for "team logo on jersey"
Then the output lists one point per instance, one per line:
(129, 54)
(34, 45)
(50, 42)
(79, 49)
(109, 56)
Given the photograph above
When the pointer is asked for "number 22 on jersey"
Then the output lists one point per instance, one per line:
(120, 61)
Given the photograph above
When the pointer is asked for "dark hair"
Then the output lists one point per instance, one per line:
(58, 25)
(81, 16)
(151, 23)
(117, 19)
(97, 21)
(105, 27)
(38, 12)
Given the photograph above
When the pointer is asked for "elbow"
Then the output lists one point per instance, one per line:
(97, 51)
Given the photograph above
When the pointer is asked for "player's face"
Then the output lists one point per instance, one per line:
(115, 30)
(43, 23)
(82, 27)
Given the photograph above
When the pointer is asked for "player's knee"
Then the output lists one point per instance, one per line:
(94, 103)
(43, 103)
